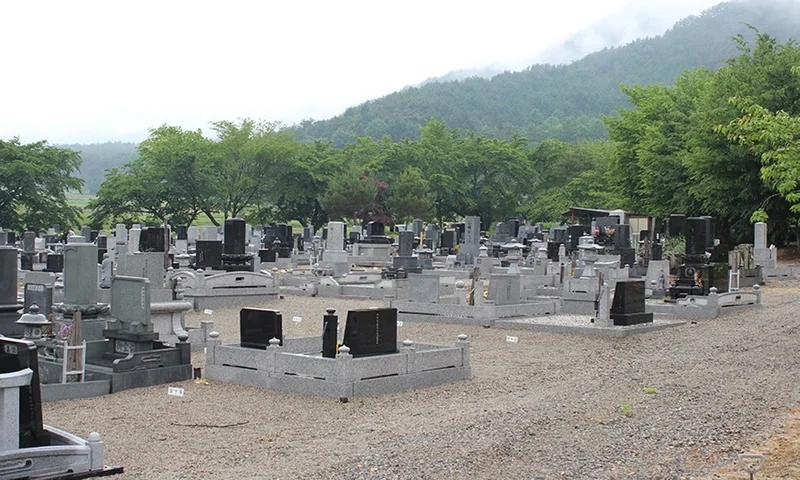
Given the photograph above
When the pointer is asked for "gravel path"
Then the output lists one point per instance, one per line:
(668, 404)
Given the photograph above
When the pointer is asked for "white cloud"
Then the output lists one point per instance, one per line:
(97, 71)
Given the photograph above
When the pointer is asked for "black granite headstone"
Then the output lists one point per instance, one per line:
(11, 238)
(375, 229)
(208, 254)
(16, 355)
(622, 236)
(627, 256)
(371, 331)
(558, 234)
(235, 241)
(574, 232)
(55, 263)
(183, 232)
(676, 225)
(627, 308)
(330, 325)
(513, 227)
(697, 235)
(151, 239)
(93, 235)
(268, 255)
(257, 326)
(448, 239)
(552, 251)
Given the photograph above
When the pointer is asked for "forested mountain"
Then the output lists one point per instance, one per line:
(98, 157)
(563, 102)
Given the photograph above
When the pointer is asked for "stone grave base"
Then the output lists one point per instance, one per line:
(68, 456)
(777, 273)
(143, 378)
(95, 384)
(306, 290)
(299, 367)
(331, 287)
(486, 314)
(581, 324)
(222, 297)
(699, 307)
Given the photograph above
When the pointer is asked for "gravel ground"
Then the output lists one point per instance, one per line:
(673, 403)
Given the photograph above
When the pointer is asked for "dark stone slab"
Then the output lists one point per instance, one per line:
(371, 331)
(257, 326)
(16, 355)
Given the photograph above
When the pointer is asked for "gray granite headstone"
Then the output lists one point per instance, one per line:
(130, 302)
(80, 274)
(406, 243)
(505, 289)
(41, 295)
(29, 242)
(134, 235)
(335, 236)
(423, 288)
(472, 239)
(8, 275)
(121, 234)
(416, 226)
(149, 265)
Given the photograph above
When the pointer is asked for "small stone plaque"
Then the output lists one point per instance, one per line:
(208, 311)
(512, 339)
(297, 319)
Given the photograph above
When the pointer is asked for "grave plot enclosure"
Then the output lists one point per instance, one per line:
(382, 366)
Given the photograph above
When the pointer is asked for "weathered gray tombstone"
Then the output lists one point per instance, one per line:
(416, 226)
(472, 239)
(148, 265)
(191, 235)
(505, 289)
(762, 255)
(335, 256)
(405, 259)
(8, 291)
(423, 288)
(130, 329)
(134, 235)
(80, 274)
(41, 295)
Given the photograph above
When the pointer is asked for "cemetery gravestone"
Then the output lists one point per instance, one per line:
(628, 306)
(8, 291)
(16, 355)
(371, 331)
(257, 326)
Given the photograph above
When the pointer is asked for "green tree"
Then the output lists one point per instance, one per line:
(350, 194)
(248, 153)
(409, 197)
(34, 181)
(172, 179)
(497, 175)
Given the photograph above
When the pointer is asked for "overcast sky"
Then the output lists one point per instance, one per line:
(86, 71)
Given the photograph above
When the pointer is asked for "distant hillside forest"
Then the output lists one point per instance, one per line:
(96, 158)
(562, 102)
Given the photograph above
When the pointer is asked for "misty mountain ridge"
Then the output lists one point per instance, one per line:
(631, 23)
(564, 101)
